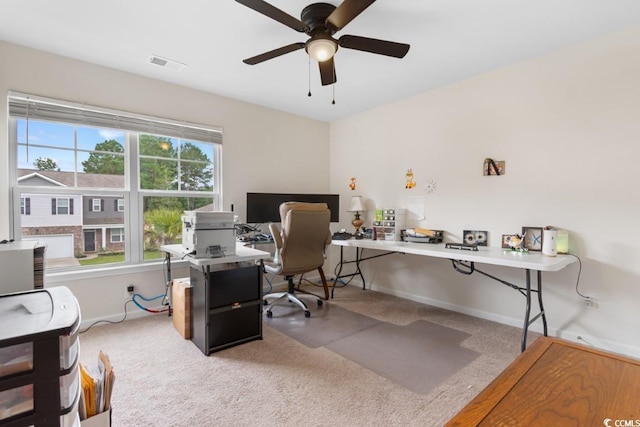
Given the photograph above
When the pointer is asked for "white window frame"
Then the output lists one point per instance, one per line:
(23, 206)
(118, 232)
(60, 208)
(131, 196)
(95, 202)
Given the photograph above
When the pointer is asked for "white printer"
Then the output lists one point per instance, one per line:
(209, 234)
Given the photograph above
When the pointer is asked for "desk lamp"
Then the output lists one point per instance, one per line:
(357, 206)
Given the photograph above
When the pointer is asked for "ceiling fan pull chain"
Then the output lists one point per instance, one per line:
(309, 94)
(333, 86)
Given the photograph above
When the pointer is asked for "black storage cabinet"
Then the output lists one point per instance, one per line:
(226, 305)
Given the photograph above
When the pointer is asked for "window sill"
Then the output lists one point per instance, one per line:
(92, 273)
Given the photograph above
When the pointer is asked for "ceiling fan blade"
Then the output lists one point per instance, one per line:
(274, 13)
(345, 13)
(381, 47)
(327, 72)
(273, 53)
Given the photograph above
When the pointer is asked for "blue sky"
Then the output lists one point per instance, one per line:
(56, 141)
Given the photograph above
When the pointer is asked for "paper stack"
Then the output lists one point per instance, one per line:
(97, 385)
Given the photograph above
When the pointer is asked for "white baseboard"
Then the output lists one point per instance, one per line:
(135, 313)
(281, 286)
(580, 338)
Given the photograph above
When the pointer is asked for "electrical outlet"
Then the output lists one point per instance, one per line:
(128, 291)
(590, 303)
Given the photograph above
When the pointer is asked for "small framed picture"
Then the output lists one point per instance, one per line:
(506, 238)
(532, 238)
(475, 237)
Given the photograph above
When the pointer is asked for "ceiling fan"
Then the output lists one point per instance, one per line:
(320, 21)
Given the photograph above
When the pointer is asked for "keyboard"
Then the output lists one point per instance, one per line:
(257, 238)
(341, 236)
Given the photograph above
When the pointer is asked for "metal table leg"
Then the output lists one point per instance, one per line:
(527, 317)
(341, 264)
(168, 286)
(469, 268)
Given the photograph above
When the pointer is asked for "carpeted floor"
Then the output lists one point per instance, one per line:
(164, 380)
(417, 356)
(327, 323)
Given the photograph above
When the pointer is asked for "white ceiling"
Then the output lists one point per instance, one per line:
(450, 40)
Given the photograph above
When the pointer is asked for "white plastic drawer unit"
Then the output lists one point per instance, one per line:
(16, 359)
(15, 401)
(39, 352)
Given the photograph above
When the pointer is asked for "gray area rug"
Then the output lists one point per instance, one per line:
(326, 324)
(417, 356)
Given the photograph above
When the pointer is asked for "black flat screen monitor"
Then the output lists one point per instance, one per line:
(265, 207)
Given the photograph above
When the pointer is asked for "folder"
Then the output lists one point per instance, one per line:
(97, 386)
(109, 378)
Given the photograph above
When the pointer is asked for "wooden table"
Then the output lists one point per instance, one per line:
(558, 383)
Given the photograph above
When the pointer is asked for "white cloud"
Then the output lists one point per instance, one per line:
(108, 134)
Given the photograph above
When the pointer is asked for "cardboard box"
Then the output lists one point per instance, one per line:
(101, 420)
(181, 305)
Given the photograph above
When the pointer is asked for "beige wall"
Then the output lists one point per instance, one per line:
(568, 126)
(262, 147)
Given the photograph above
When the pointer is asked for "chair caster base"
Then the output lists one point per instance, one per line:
(307, 313)
(269, 314)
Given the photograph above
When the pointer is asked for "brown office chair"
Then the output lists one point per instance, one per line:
(300, 248)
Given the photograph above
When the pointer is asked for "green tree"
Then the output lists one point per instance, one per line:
(161, 227)
(175, 203)
(158, 163)
(101, 161)
(46, 164)
(195, 169)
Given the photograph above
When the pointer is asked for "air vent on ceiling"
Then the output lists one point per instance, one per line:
(167, 63)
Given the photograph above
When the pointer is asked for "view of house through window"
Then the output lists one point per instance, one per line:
(101, 195)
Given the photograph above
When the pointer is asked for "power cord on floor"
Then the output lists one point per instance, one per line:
(319, 284)
(150, 310)
(139, 305)
(113, 322)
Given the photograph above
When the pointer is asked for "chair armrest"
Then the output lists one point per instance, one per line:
(277, 240)
(326, 244)
(275, 233)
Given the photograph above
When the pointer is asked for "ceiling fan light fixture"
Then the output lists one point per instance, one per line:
(321, 49)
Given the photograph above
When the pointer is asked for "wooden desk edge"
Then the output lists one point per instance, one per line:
(481, 405)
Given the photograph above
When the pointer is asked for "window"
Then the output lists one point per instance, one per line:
(25, 206)
(61, 206)
(117, 235)
(71, 155)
